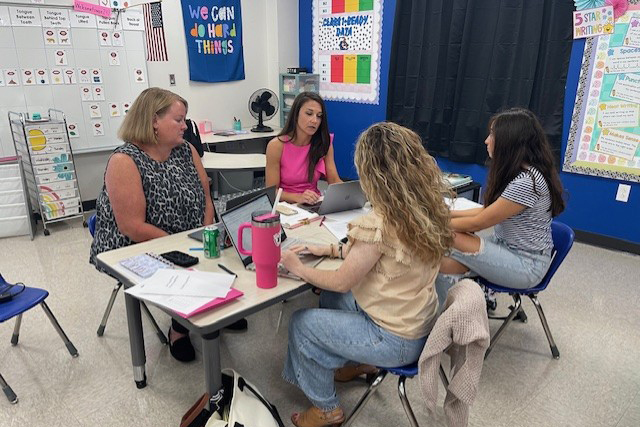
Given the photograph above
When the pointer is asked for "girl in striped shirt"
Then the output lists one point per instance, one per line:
(522, 195)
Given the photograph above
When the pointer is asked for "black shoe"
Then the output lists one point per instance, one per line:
(182, 349)
(238, 326)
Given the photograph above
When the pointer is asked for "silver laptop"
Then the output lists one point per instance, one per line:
(343, 196)
(232, 218)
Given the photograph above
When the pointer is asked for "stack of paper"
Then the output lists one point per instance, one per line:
(183, 291)
(299, 217)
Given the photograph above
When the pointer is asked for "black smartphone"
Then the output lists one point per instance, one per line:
(180, 258)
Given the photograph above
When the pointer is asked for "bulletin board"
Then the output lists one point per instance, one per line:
(604, 138)
(91, 68)
(347, 37)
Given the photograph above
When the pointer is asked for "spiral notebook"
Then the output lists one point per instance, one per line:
(144, 265)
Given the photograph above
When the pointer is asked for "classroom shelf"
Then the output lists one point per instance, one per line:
(14, 201)
(290, 86)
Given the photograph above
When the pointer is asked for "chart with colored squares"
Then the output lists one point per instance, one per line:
(604, 138)
(346, 49)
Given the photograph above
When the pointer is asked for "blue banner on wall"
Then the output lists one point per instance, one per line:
(213, 30)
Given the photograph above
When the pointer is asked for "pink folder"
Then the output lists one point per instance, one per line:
(233, 294)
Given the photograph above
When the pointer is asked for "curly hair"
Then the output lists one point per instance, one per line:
(406, 187)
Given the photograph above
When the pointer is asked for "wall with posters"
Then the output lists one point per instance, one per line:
(346, 49)
(591, 200)
(604, 138)
(268, 49)
(270, 45)
(87, 66)
(347, 118)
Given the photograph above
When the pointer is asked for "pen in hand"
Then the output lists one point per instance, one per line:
(227, 270)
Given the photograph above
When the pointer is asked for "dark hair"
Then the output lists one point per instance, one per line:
(519, 140)
(320, 140)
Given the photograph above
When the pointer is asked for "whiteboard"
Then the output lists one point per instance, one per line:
(89, 67)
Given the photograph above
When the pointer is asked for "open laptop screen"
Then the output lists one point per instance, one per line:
(232, 219)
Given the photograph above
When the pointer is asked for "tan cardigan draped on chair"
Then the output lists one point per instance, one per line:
(462, 330)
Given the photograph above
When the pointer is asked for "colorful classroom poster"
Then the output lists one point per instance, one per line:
(592, 22)
(346, 49)
(604, 138)
(214, 40)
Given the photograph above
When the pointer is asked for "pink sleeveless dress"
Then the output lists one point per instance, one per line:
(294, 166)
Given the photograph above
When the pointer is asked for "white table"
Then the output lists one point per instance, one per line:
(211, 138)
(208, 324)
(230, 161)
(220, 162)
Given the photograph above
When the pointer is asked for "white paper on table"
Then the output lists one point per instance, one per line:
(338, 229)
(461, 204)
(337, 222)
(185, 283)
(175, 302)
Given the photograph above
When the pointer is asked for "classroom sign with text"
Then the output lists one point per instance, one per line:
(346, 49)
(604, 137)
(214, 39)
(592, 22)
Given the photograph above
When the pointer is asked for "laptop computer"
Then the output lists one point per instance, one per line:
(339, 197)
(269, 191)
(232, 218)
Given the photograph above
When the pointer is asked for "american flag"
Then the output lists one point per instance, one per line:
(154, 32)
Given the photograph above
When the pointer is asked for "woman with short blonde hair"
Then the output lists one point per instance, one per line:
(154, 185)
(138, 123)
(379, 306)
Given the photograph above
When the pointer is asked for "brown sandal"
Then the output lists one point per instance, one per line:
(351, 372)
(314, 417)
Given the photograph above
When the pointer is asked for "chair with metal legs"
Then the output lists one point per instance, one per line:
(112, 299)
(8, 391)
(403, 372)
(462, 331)
(22, 299)
(563, 237)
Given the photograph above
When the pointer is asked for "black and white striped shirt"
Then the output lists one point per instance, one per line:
(530, 229)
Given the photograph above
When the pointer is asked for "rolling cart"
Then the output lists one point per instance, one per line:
(49, 167)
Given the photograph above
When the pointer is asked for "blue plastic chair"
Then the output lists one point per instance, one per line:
(21, 302)
(103, 323)
(403, 372)
(563, 237)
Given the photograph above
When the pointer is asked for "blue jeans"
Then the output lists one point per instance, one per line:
(326, 338)
(499, 264)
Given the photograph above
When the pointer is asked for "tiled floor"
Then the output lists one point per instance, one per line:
(592, 308)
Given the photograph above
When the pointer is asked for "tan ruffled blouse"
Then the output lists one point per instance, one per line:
(398, 293)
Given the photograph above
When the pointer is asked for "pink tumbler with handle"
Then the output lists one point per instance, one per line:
(265, 244)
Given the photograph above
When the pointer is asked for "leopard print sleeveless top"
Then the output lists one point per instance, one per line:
(173, 192)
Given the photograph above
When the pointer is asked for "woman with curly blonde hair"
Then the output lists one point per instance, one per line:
(379, 306)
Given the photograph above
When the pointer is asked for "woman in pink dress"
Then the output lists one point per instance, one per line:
(302, 152)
